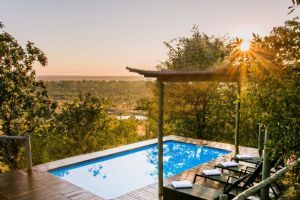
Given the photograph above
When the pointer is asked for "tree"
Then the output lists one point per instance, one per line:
(189, 105)
(273, 99)
(24, 103)
(296, 3)
(198, 52)
(82, 126)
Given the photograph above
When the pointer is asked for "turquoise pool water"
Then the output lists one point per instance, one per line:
(115, 175)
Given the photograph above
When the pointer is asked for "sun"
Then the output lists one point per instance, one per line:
(245, 45)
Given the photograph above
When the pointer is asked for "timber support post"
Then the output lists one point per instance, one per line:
(160, 138)
(28, 152)
(237, 120)
(264, 195)
(260, 145)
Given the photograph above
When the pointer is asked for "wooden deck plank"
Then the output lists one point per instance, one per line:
(42, 193)
(39, 186)
(3, 197)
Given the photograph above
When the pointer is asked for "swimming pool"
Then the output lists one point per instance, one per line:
(114, 175)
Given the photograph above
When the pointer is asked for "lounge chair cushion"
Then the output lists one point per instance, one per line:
(244, 156)
(212, 172)
(230, 164)
(181, 184)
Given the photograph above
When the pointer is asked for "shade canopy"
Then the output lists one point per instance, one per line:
(213, 75)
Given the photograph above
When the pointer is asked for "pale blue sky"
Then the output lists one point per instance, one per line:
(101, 37)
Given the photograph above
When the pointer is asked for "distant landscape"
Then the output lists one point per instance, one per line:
(90, 78)
(122, 92)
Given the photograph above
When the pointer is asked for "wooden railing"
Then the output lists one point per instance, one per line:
(27, 141)
(266, 182)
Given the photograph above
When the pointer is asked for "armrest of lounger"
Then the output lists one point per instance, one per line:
(220, 167)
(231, 177)
(248, 168)
(243, 172)
(200, 175)
(195, 177)
(220, 178)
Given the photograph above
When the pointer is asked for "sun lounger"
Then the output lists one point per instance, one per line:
(226, 178)
(201, 192)
(234, 167)
(197, 192)
(247, 158)
(255, 174)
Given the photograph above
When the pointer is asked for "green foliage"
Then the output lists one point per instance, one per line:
(196, 53)
(83, 126)
(143, 104)
(80, 125)
(276, 97)
(199, 110)
(291, 184)
(193, 110)
(24, 103)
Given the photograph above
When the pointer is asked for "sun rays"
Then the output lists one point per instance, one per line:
(252, 54)
(245, 45)
(250, 57)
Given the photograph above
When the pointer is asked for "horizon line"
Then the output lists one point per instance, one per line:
(94, 75)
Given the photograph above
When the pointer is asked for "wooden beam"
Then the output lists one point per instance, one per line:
(160, 139)
(196, 78)
(9, 137)
(213, 75)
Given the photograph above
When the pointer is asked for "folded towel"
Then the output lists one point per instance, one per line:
(211, 172)
(181, 184)
(230, 164)
(244, 156)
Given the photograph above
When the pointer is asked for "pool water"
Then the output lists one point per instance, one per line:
(115, 175)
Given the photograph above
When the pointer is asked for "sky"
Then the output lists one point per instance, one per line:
(102, 37)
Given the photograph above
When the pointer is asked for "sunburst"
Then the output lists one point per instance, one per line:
(250, 56)
(245, 45)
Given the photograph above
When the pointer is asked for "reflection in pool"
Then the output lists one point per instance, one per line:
(114, 175)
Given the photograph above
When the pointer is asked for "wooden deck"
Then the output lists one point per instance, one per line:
(40, 185)
(20, 185)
